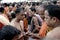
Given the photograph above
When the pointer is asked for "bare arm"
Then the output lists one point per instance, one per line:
(34, 35)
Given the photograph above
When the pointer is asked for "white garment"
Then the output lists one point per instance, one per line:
(4, 20)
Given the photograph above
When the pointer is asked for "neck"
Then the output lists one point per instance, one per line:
(57, 25)
(17, 20)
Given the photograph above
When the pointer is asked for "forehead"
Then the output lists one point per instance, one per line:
(40, 9)
(46, 13)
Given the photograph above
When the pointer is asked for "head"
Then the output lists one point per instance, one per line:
(52, 15)
(13, 15)
(54, 2)
(19, 13)
(33, 4)
(28, 12)
(5, 4)
(9, 32)
(58, 2)
(37, 3)
(40, 10)
(33, 10)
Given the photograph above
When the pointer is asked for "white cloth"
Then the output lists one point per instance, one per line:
(4, 20)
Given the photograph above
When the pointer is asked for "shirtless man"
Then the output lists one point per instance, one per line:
(52, 18)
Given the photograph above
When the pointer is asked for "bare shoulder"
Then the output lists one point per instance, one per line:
(55, 33)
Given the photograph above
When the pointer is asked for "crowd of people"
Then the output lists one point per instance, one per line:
(24, 20)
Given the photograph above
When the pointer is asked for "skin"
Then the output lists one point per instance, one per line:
(51, 21)
(19, 17)
(55, 24)
(40, 11)
(32, 34)
(58, 2)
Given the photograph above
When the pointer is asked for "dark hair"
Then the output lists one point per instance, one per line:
(13, 5)
(8, 32)
(37, 3)
(54, 11)
(5, 4)
(18, 10)
(23, 8)
(13, 15)
(21, 3)
(1, 9)
(33, 3)
(33, 9)
(54, 2)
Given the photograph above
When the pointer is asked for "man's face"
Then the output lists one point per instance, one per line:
(20, 16)
(58, 2)
(41, 13)
(50, 22)
(40, 10)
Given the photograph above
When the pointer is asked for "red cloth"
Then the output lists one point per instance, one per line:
(1, 25)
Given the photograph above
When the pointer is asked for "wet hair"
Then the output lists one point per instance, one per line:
(54, 2)
(20, 3)
(54, 11)
(37, 3)
(33, 4)
(18, 10)
(13, 5)
(1, 9)
(5, 4)
(23, 8)
(13, 15)
(33, 9)
(8, 32)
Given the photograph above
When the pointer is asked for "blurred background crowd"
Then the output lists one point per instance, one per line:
(30, 20)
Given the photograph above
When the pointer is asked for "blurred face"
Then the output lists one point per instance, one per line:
(29, 12)
(41, 13)
(50, 21)
(20, 16)
(40, 10)
(58, 2)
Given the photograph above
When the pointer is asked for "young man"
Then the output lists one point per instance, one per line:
(52, 18)
(36, 20)
(19, 17)
(19, 22)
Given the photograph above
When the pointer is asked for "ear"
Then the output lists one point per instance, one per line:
(54, 19)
